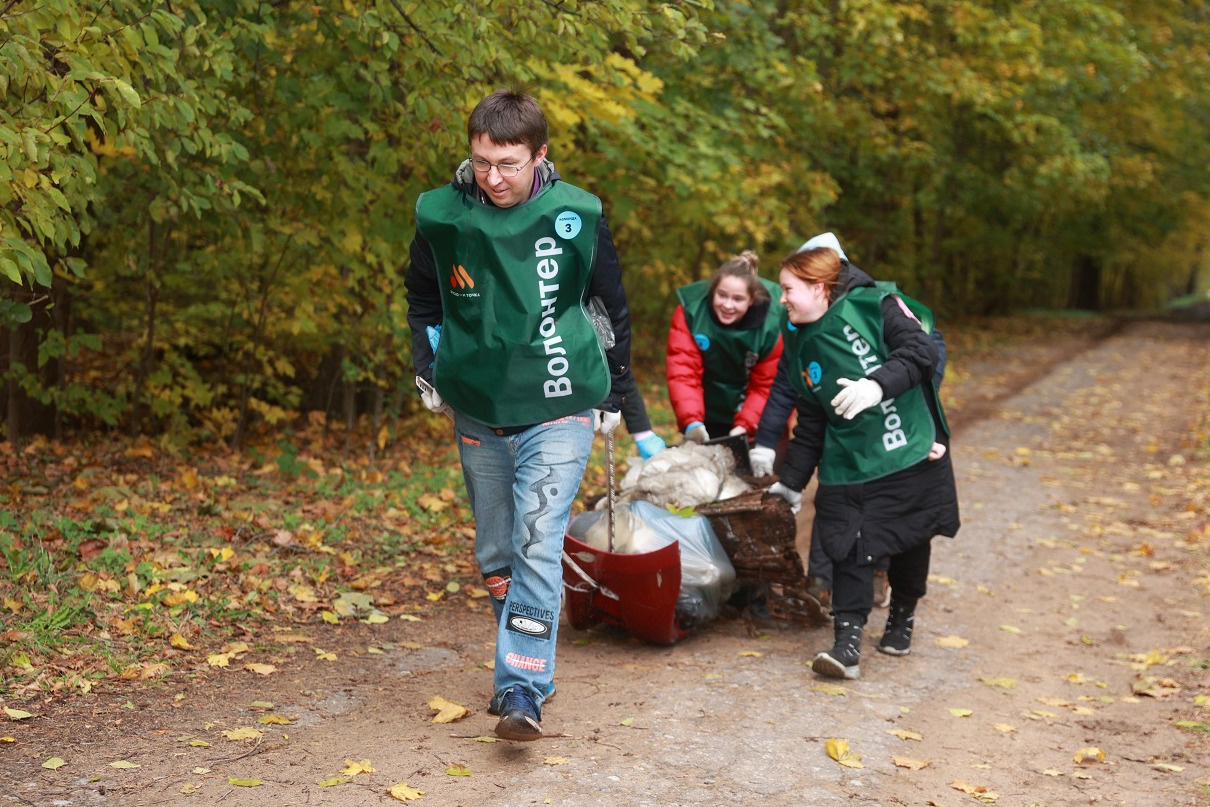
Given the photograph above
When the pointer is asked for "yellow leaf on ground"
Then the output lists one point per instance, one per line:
(330, 618)
(352, 768)
(1167, 767)
(952, 642)
(324, 655)
(1052, 772)
(978, 791)
(458, 769)
(188, 789)
(261, 669)
(447, 711)
(750, 654)
(1002, 683)
(274, 720)
(961, 712)
(17, 714)
(402, 792)
(556, 761)
(839, 751)
(1010, 629)
(179, 642)
(54, 763)
(334, 781)
(830, 689)
(122, 764)
(245, 733)
(904, 734)
(1004, 727)
(199, 744)
(7, 739)
(1089, 755)
(476, 593)
(376, 619)
(910, 763)
(244, 782)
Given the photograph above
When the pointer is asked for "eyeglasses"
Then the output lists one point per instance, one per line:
(507, 170)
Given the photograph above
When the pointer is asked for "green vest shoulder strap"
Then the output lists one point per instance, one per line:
(517, 345)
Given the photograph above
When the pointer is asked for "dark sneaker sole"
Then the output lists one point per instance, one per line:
(516, 726)
(893, 651)
(829, 667)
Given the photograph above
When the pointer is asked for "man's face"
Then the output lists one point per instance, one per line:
(505, 191)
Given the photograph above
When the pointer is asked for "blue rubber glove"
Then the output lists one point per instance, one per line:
(650, 445)
(696, 432)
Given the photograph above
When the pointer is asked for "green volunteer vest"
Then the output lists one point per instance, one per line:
(846, 342)
(517, 345)
(728, 354)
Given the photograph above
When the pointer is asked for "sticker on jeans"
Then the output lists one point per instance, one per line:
(527, 663)
(568, 224)
(528, 626)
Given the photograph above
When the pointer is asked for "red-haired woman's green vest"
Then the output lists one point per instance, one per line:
(846, 342)
(728, 354)
(517, 345)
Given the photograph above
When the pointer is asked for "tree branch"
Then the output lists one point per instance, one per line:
(415, 27)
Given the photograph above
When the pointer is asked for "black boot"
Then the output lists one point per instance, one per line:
(841, 660)
(897, 638)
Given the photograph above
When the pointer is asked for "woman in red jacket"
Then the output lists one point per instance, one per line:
(723, 349)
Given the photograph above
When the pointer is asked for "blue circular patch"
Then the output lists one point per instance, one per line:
(703, 341)
(814, 372)
(568, 224)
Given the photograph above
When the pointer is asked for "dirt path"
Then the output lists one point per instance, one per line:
(1069, 614)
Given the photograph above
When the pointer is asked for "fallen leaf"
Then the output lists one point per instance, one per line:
(910, 763)
(904, 734)
(124, 765)
(952, 642)
(274, 720)
(1010, 629)
(376, 619)
(1052, 772)
(978, 791)
(1089, 755)
(1002, 683)
(334, 781)
(1004, 727)
(199, 743)
(458, 769)
(244, 782)
(188, 789)
(246, 733)
(219, 659)
(556, 761)
(352, 768)
(839, 751)
(200, 771)
(324, 655)
(402, 792)
(260, 669)
(750, 654)
(54, 763)
(447, 711)
(961, 712)
(17, 714)
(629, 721)
(180, 642)
(1159, 766)
(829, 689)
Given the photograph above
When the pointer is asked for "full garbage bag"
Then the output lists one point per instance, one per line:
(707, 576)
(684, 475)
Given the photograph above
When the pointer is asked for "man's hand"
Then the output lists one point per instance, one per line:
(794, 497)
(605, 422)
(432, 399)
(761, 459)
(696, 432)
(856, 397)
(650, 445)
(937, 451)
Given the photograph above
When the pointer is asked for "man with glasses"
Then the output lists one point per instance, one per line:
(521, 333)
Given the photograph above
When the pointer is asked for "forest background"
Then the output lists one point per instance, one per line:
(205, 206)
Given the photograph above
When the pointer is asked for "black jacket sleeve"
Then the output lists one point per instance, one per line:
(806, 447)
(424, 304)
(912, 353)
(779, 406)
(606, 283)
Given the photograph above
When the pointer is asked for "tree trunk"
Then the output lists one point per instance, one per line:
(1086, 284)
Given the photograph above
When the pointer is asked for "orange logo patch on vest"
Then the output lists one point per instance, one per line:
(460, 278)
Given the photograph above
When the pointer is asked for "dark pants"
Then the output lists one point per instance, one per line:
(853, 582)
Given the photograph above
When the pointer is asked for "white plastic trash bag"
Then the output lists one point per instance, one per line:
(684, 475)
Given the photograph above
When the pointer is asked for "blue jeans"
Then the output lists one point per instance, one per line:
(521, 487)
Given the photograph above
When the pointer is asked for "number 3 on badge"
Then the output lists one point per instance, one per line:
(567, 224)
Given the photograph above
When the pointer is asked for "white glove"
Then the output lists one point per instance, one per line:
(605, 422)
(432, 399)
(856, 397)
(761, 459)
(697, 433)
(794, 497)
(738, 430)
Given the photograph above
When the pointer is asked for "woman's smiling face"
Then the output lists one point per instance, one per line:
(804, 302)
(731, 299)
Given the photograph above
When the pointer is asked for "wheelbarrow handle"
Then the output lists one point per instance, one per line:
(609, 482)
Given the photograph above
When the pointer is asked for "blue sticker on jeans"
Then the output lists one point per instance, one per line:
(568, 224)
